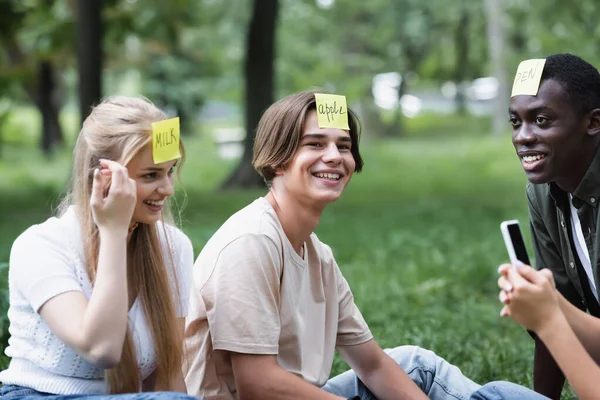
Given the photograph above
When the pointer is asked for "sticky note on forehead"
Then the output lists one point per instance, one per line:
(332, 111)
(165, 140)
(528, 77)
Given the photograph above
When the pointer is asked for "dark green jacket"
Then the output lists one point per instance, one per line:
(550, 219)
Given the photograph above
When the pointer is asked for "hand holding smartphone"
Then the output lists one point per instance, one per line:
(513, 239)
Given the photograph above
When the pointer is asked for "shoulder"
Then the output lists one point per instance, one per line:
(49, 233)
(255, 224)
(323, 249)
(43, 249)
(251, 244)
(244, 259)
(329, 264)
(538, 192)
(247, 253)
(257, 217)
(533, 191)
(175, 237)
(539, 198)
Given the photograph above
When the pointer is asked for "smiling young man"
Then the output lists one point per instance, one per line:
(270, 305)
(556, 136)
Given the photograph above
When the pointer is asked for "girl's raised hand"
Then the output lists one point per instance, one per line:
(113, 196)
(529, 296)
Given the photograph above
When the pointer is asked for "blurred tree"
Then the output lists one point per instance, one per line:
(338, 46)
(495, 20)
(49, 106)
(543, 27)
(344, 45)
(11, 16)
(259, 85)
(176, 47)
(89, 54)
(414, 20)
(184, 51)
(33, 38)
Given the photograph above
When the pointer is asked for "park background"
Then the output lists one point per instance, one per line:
(416, 234)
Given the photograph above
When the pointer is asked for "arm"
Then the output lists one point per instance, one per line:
(584, 325)
(379, 372)
(548, 379)
(96, 328)
(242, 299)
(354, 341)
(581, 371)
(260, 377)
(530, 299)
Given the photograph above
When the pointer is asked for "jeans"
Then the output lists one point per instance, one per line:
(505, 390)
(437, 378)
(12, 392)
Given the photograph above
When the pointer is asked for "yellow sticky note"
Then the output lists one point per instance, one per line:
(165, 140)
(332, 111)
(528, 77)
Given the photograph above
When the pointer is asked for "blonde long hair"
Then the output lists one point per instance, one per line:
(117, 129)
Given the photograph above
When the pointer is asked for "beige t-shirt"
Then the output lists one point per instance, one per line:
(254, 294)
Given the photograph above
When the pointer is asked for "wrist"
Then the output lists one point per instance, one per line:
(552, 325)
(112, 232)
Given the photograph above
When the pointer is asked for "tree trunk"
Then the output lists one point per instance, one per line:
(42, 92)
(461, 41)
(495, 33)
(46, 101)
(396, 129)
(89, 54)
(259, 86)
(370, 114)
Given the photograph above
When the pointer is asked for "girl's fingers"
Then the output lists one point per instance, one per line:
(504, 284)
(515, 278)
(119, 172)
(503, 269)
(112, 165)
(97, 189)
(504, 297)
(532, 275)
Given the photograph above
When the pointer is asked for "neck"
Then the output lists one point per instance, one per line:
(297, 219)
(576, 172)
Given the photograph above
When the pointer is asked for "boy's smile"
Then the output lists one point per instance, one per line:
(322, 165)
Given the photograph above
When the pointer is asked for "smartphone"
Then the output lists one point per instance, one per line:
(513, 239)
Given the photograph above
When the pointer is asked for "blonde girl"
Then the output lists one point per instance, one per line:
(98, 293)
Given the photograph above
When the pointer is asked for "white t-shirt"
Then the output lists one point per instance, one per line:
(581, 247)
(254, 294)
(47, 260)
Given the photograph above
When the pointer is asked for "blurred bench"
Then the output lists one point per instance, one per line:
(229, 141)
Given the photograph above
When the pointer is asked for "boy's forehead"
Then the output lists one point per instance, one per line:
(325, 132)
(551, 89)
(551, 94)
(311, 127)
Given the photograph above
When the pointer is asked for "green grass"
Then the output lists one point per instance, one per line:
(416, 235)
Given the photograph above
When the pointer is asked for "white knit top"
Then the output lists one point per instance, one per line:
(47, 260)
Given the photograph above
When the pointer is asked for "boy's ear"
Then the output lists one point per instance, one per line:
(278, 171)
(594, 122)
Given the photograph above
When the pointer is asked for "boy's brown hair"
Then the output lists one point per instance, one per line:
(280, 129)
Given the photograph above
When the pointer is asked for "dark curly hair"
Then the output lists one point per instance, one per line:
(578, 78)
